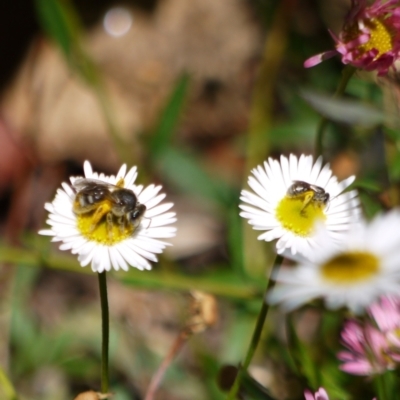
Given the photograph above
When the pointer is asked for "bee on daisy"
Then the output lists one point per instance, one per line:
(110, 222)
(290, 197)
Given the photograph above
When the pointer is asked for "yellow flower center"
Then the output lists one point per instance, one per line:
(396, 332)
(351, 267)
(381, 37)
(102, 232)
(299, 214)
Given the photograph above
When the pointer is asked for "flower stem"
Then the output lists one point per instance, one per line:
(105, 331)
(347, 73)
(179, 342)
(257, 332)
(381, 387)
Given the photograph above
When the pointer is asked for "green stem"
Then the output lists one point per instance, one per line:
(257, 332)
(7, 386)
(381, 387)
(166, 280)
(347, 73)
(105, 331)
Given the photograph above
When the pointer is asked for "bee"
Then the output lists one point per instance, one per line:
(311, 193)
(109, 201)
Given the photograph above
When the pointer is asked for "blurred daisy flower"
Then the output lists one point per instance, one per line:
(364, 266)
(110, 222)
(320, 394)
(291, 197)
(370, 37)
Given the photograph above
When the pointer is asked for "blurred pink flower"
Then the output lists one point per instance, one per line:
(367, 350)
(370, 37)
(386, 314)
(320, 394)
(373, 347)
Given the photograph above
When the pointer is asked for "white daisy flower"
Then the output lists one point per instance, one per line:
(365, 266)
(291, 196)
(109, 237)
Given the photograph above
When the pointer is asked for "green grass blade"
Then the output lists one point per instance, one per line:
(169, 118)
(59, 22)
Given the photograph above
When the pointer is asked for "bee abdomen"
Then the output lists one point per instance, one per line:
(88, 200)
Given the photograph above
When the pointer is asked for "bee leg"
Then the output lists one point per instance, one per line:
(136, 223)
(109, 225)
(308, 196)
(98, 215)
(121, 224)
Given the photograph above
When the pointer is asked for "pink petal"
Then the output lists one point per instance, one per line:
(360, 367)
(314, 60)
(308, 395)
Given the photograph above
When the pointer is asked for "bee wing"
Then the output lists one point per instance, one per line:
(85, 183)
(317, 189)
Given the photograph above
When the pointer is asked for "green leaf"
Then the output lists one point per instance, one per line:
(184, 171)
(221, 282)
(332, 378)
(169, 117)
(249, 388)
(235, 241)
(252, 390)
(392, 133)
(386, 385)
(210, 366)
(366, 184)
(302, 358)
(394, 168)
(371, 205)
(343, 110)
(59, 22)
(6, 386)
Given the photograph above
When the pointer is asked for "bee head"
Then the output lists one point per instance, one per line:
(321, 197)
(124, 201)
(136, 215)
(298, 188)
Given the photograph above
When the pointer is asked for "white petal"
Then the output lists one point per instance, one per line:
(121, 173)
(131, 177)
(87, 169)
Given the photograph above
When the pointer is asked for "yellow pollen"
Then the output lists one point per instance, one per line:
(297, 217)
(381, 38)
(349, 268)
(100, 232)
(120, 183)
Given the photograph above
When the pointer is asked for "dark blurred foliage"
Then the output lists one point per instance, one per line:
(18, 26)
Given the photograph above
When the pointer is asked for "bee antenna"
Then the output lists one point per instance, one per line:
(149, 219)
